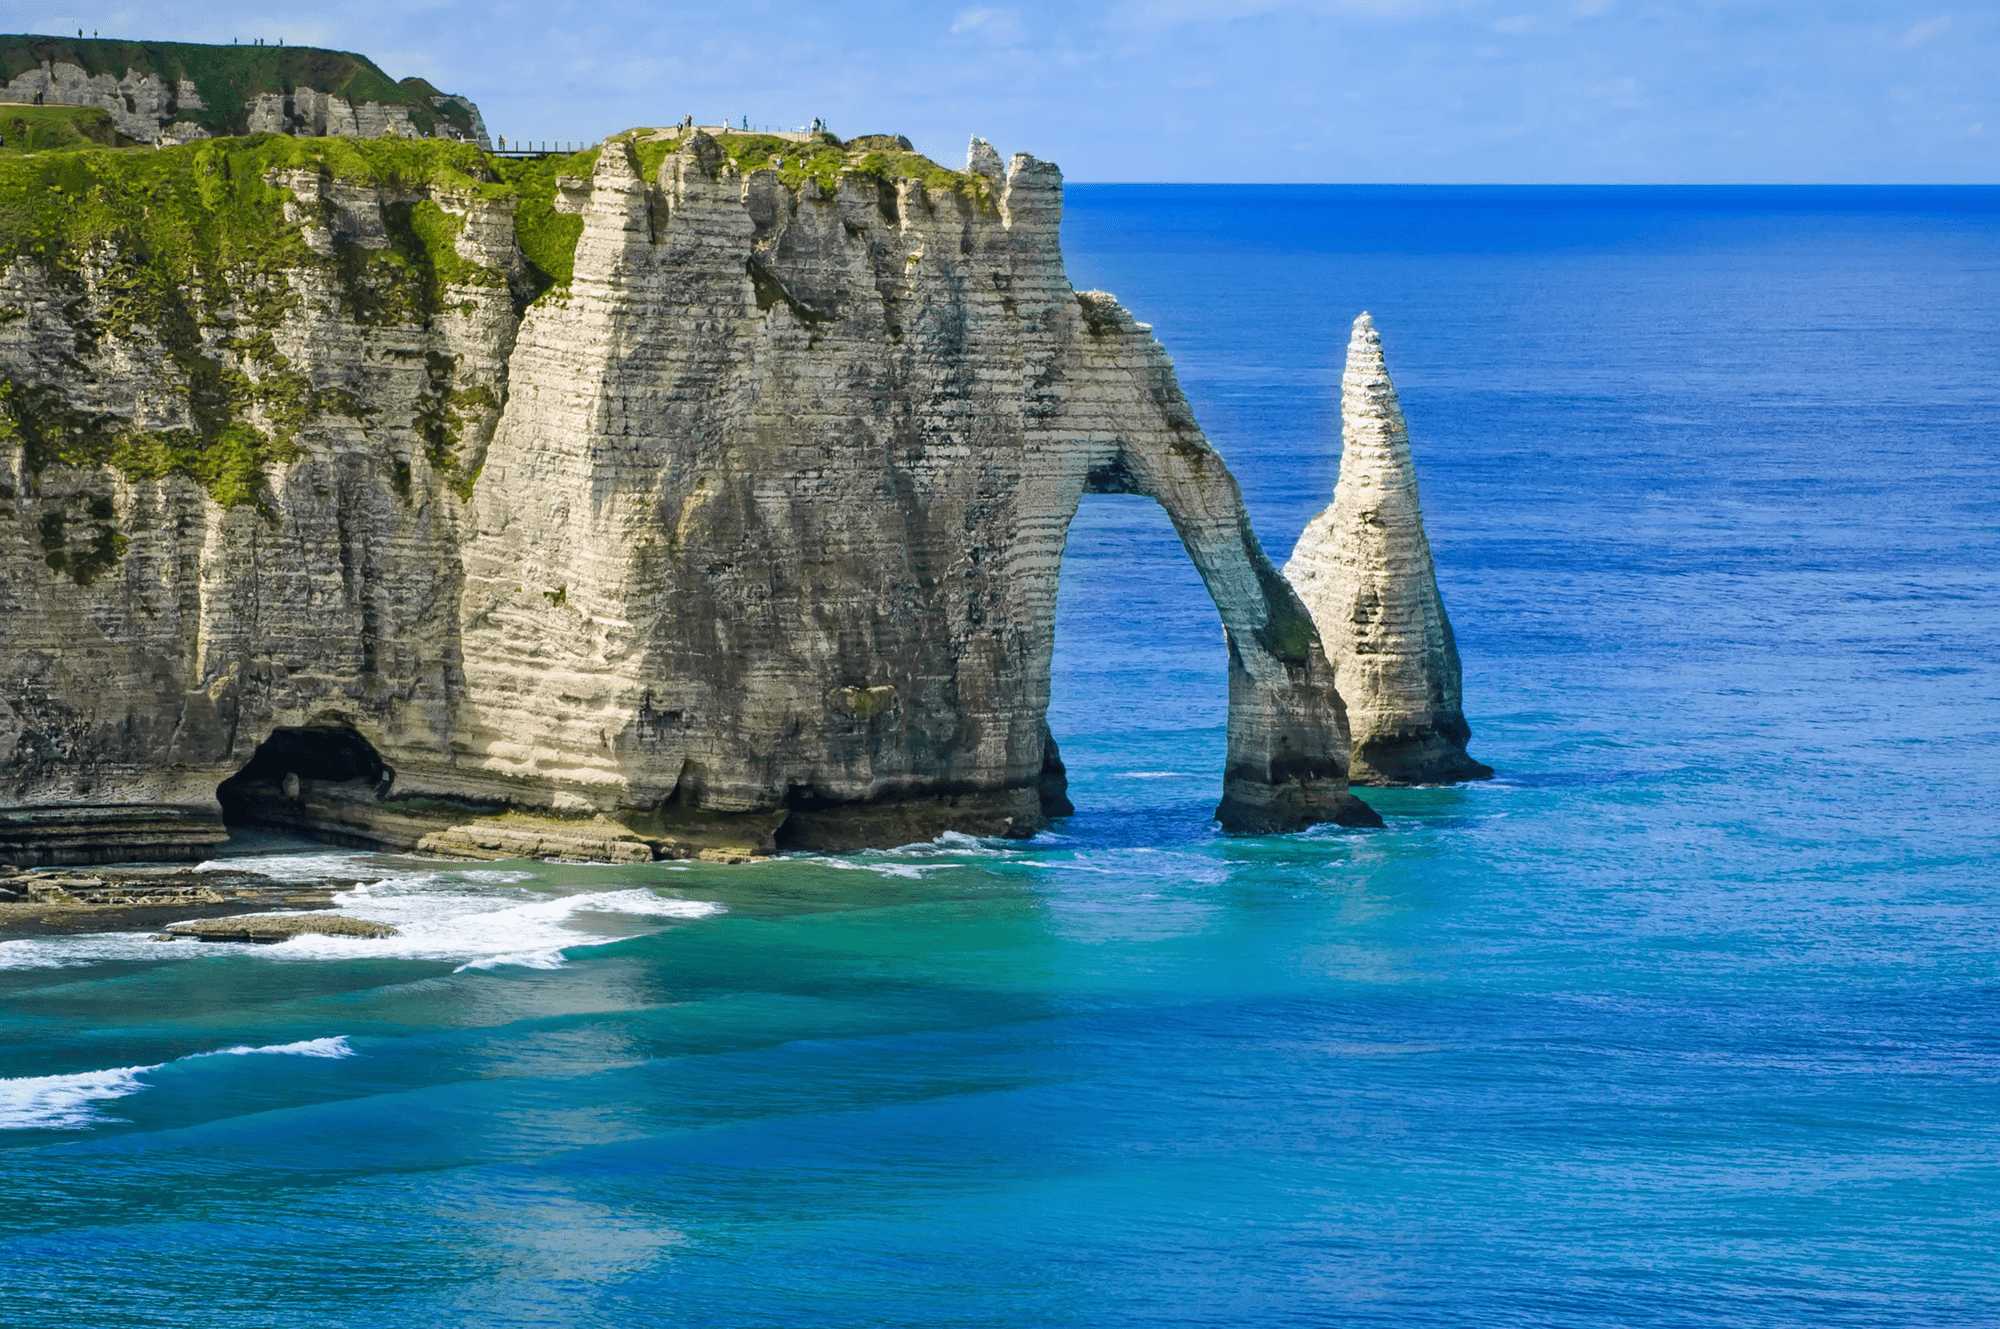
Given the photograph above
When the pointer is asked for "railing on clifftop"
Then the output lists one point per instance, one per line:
(526, 148)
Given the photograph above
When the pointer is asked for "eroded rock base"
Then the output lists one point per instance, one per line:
(135, 898)
(81, 834)
(1013, 814)
(353, 813)
(1260, 809)
(1428, 756)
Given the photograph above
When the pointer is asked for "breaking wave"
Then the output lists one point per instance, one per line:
(476, 918)
(70, 1102)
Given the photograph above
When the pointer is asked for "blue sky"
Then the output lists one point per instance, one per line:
(1600, 91)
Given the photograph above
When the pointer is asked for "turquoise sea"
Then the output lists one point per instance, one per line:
(1691, 1017)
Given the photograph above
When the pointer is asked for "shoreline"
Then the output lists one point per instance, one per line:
(68, 902)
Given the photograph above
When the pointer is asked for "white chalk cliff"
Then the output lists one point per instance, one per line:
(746, 534)
(1363, 568)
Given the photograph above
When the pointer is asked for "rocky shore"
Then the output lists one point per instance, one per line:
(131, 899)
(270, 929)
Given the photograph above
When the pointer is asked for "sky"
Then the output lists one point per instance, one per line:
(1341, 91)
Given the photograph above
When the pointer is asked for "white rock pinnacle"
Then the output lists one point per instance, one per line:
(981, 158)
(1363, 568)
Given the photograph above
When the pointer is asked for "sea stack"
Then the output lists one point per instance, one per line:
(1363, 568)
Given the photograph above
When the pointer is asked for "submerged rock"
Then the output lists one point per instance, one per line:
(1363, 568)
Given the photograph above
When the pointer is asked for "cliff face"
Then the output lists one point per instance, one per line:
(1363, 568)
(176, 92)
(685, 497)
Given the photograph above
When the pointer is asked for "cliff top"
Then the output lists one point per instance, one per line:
(227, 77)
(65, 185)
(186, 234)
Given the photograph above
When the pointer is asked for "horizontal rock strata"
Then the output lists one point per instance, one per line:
(131, 899)
(1363, 568)
(693, 498)
(177, 92)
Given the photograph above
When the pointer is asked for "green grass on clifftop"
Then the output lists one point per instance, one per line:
(547, 237)
(884, 158)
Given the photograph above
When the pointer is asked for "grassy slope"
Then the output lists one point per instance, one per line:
(55, 128)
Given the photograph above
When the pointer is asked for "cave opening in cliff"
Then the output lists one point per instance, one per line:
(1139, 683)
(294, 771)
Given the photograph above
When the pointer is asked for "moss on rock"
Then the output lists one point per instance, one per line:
(194, 246)
(198, 247)
(26, 129)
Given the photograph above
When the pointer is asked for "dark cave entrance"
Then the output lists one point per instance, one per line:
(292, 768)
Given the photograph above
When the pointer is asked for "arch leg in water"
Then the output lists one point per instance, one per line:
(1288, 742)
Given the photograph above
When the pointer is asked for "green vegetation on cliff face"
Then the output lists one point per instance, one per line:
(55, 129)
(547, 238)
(192, 215)
(228, 77)
(192, 246)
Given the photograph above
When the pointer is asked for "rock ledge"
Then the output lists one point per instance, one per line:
(269, 929)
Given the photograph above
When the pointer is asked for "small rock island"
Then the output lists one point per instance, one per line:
(699, 494)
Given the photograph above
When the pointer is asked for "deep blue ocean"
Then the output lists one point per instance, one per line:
(1691, 1017)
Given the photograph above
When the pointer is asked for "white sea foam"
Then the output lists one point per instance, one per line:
(64, 1102)
(876, 866)
(479, 918)
(522, 960)
(307, 867)
(950, 849)
(1153, 775)
(437, 922)
(310, 1047)
(56, 952)
(69, 1102)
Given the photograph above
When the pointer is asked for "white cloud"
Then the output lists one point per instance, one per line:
(1514, 25)
(1000, 26)
(1926, 30)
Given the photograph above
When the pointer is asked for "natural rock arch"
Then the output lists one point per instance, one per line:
(876, 446)
(752, 529)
